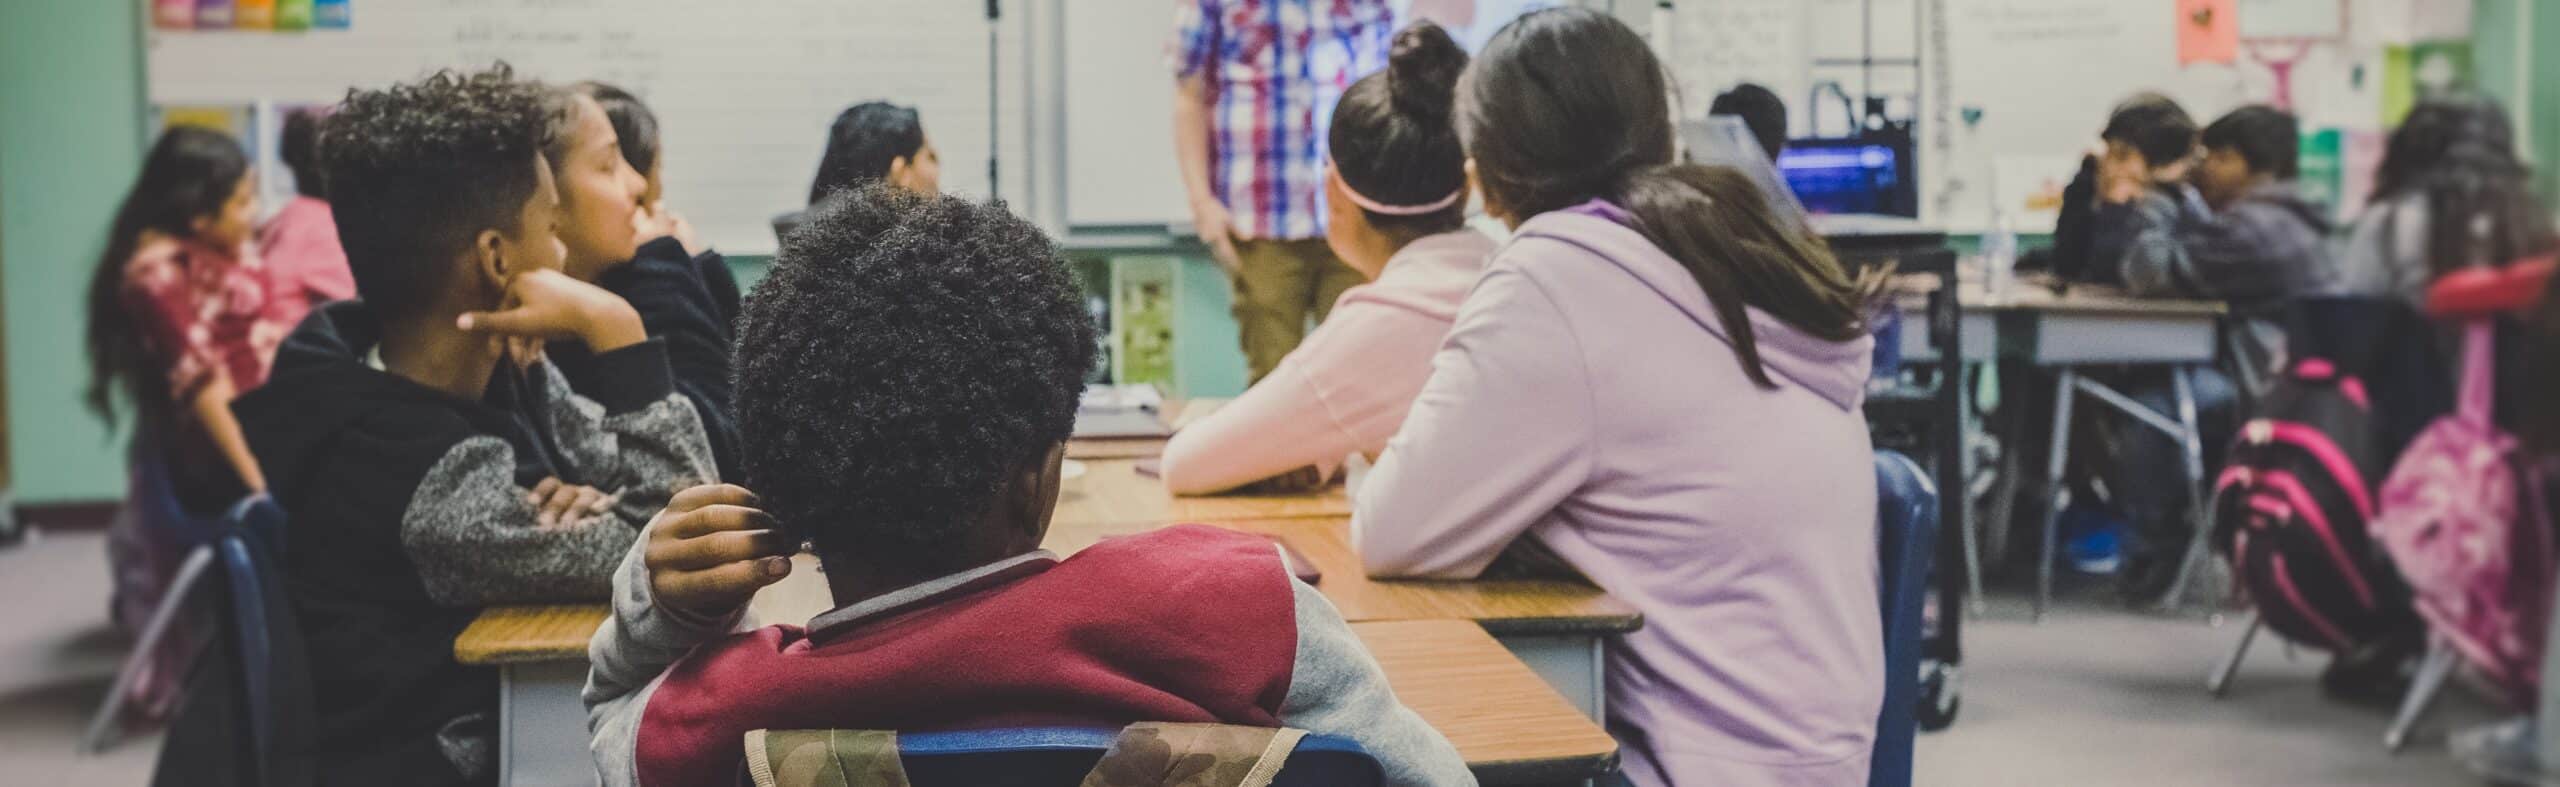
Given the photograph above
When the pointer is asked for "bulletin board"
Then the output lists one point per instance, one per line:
(744, 90)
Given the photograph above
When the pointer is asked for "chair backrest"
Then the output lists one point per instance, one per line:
(1906, 535)
(271, 668)
(1061, 756)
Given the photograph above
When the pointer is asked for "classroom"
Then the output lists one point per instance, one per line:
(1296, 393)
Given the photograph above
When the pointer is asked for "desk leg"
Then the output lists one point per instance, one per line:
(2191, 439)
(2065, 383)
(1570, 663)
(542, 726)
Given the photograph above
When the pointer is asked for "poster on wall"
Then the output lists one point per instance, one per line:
(1144, 294)
(2423, 70)
(253, 15)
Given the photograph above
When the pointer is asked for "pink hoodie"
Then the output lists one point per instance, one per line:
(1347, 387)
(1587, 396)
(300, 245)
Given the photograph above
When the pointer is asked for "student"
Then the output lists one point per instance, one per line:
(1253, 82)
(1659, 381)
(179, 320)
(300, 244)
(2452, 156)
(2245, 235)
(412, 499)
(873, 140)
(1761, 111)
(1396, 198)
(604, 152)
(179, 323)
(908, 376)
(2147, 128)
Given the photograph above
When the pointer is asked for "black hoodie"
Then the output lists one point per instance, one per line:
(691, 303)
(407, 515)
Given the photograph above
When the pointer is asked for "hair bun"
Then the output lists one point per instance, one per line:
(1422, 71)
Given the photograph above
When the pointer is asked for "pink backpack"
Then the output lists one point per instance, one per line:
(2450, 519)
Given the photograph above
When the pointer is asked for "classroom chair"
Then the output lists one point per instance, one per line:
(152, 531)
(1906, 530)
(1019, 757)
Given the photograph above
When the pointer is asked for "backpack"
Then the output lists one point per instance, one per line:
(2291, 507)
(2482, 574)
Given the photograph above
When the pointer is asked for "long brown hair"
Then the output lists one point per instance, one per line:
(188, 175)
(1569, 105)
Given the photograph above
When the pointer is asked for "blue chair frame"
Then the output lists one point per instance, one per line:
(1906, 533)
(1061, 756)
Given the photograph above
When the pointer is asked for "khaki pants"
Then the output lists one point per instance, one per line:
(1278, 286)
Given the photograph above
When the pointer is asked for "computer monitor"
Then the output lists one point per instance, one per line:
(1866, 175)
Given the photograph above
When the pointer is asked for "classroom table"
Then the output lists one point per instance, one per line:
(1511, 727)
(1112, 491)
(2084, 326)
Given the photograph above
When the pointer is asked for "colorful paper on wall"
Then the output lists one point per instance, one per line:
(253, 14)
(214, 15)
(293, 14)
(173, 14)
(2208, 32)
(332, 15)
(2416, 72)
(1143, 301)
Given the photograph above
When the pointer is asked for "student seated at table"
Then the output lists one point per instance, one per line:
(2453, 155)
(603, 146)
(1397, 192)
(411, 501)
(873, 140)
(2243, 234)
(908, 376)
(1659, 381)
(300, 243)
(1761, 110)
(2149, 127)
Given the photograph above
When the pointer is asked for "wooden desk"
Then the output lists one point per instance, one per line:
(1112, 492)
(1510, 726)
(1177, 414)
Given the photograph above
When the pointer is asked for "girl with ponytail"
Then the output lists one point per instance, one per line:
(1659, 381)
(1397, 195)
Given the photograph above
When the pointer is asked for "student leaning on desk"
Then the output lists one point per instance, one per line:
(1680, 420)
(908, 377)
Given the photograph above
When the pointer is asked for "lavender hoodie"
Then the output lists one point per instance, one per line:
(1587, 396)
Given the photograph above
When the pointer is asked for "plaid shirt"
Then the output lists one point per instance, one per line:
(1272, 103)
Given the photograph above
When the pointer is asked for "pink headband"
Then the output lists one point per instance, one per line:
(1382, 209)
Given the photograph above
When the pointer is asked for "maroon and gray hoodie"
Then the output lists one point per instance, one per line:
(1186, 624)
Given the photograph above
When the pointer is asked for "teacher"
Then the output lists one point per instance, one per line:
(1255, 84)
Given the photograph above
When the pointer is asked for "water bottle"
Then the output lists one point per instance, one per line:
(1999, 256)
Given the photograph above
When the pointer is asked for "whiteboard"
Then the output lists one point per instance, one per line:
(744, 91)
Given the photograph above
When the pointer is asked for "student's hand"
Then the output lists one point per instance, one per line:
(2123, 175)
(1299, 481)
(1216, 228)
(564, 505)
(656, 220)
(711, 550)
(548, 304)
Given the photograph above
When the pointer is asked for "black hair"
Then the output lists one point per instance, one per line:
(1394, 140)
(298, 144)
(633, 123)
(865, 139)
(907, 356)
(1567, 105)
(2459, 153)
(1761, 111)
(417, 170)
(189, 174)
(2155, 126)
(2270, 139)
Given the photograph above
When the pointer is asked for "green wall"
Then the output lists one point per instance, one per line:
(71, 137)
(72, 132)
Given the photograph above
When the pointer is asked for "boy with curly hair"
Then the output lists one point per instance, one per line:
(907, 379)
(413, 503)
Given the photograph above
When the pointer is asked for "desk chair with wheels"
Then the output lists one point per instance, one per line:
(1012, 757)
(1906, 531)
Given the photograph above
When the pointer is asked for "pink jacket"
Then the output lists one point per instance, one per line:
(1347, 387)
(300, 245)
(1587, 396)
